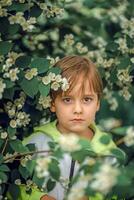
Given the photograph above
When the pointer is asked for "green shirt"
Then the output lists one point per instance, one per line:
(51, 130)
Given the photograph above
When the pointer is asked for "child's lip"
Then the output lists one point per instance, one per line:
(77, 119)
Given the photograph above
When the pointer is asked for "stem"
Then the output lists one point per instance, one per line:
(4, 146)
(120, 141)
(24, 154)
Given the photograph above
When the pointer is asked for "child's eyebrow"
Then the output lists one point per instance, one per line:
(91, 95)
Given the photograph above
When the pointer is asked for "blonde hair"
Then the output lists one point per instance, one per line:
(74, 67)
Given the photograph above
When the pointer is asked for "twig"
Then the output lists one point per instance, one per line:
(4, 146)
(24, 154)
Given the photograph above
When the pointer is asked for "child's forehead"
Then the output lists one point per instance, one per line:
(80, 88)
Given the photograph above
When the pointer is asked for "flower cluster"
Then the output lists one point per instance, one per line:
(19, 18)
(51, 11)
(105, 178)
(25, 159)
(30, 73)
(18, 118)
(81, 48)
(56, 81)
(129, 138)
(69, 142)
(44, 102)
(125, 93)
(69, 39)
(78, 189)
(42, 166)
(108, 95)
(116, 14)
(122, 42)
(128, 26)
(124, 77)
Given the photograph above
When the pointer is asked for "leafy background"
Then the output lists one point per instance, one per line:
(33, 36)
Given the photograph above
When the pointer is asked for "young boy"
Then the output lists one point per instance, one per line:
(75, 110)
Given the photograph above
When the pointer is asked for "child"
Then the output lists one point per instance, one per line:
(75, 110)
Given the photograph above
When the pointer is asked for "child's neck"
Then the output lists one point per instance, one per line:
(88, 134)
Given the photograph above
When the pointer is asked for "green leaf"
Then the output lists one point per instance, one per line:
(120, 130)
(14, 191)
(105, 139)
(3, 177)
(1, 142)
(82, 154)
(9, 93)
(11, 131)
(55, 70)
(31, 147)
(30, 87)
(17, 146)
(24, 172)
(38, 181)
(54, 169)
(120, 155)
(5, 47)
(85, 144)
(112, 47)
(44, 89)
(35, 11)
(124, 62)
(4, 168)
(13, 29)
(30, 166)
(50, 185)
(9, 84)
(41, 64)
(23, 61)
(1, 158)
(19, 7)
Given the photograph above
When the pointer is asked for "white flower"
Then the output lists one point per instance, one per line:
(46, 80)
(105, 178)
(129, 138)
(58, 78)
(55, 86)
(4, 135)
(51, 76)
(2, 87)
(13, 123)
(53, 60)
(69, 142)
(17, 182)
(42, 167)
(13, 74)
(132, 60)
(65, 84)
(11, 112)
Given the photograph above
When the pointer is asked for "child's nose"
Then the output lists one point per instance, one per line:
(77, 107)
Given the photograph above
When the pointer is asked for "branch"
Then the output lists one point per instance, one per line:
(25, 154)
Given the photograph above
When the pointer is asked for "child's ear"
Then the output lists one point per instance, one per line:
(52, 107)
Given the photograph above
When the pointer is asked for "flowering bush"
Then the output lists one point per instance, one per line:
(33, 36)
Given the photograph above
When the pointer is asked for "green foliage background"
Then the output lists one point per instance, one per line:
(34, 35)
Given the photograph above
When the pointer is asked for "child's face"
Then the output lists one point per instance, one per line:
(77, 110)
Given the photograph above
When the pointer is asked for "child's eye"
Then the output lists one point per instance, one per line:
(67, 100)
(87, 99)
